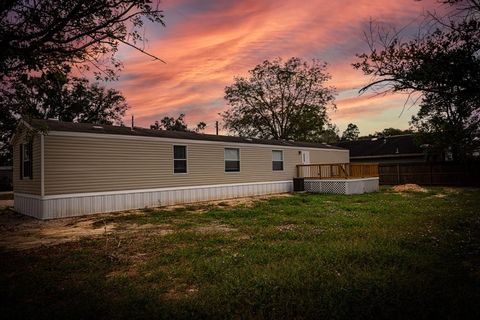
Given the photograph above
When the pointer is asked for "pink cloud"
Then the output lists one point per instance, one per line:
(206, 44)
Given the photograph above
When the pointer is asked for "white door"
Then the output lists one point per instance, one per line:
(305, 160)
(305, 157)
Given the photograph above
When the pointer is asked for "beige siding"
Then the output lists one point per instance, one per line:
(95, 164)
(29, 186)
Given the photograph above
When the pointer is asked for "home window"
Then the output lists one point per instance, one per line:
(277, 160)
(179, 159)
(26, 160)
(232, 160)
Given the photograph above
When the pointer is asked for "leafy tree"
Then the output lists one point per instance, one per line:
(38, 38)
(156, 126)
(280, 100)
(178, 124)
(170, 123)
(446, 125)
(329, 134)
(387, 132)
(351, 133)
(200, 126)
(55, 94)
(40, 35)
(392, 132)
(442, 65)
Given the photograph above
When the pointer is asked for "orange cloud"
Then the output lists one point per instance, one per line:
(207, 43)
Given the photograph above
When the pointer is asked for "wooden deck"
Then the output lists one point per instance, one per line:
(337, 171)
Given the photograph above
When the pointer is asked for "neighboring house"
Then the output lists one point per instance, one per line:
(390, 149)
(75, 168)
(5, 178)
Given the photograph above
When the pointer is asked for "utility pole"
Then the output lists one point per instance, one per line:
(216, 127)
(133, 122)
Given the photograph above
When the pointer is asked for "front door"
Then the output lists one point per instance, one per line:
(305, 157)
(306, 160)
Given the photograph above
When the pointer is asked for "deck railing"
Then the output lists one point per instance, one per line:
(337, 171)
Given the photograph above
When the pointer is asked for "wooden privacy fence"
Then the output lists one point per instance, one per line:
(441, 173)
(337, 170)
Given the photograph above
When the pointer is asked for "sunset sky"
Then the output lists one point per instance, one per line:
(206, 43)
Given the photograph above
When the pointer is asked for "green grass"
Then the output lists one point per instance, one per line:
(383, 255)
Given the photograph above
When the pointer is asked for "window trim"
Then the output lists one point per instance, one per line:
(283, 160)
(239, 160)
(23, 147)
(173, 159)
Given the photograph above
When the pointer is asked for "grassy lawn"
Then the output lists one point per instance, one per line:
(384, 255)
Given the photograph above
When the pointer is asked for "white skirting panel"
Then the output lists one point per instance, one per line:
(342, 186)
(28, 204)
(70, 205)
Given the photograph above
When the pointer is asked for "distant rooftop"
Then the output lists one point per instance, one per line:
(382, 146)
(55, 125)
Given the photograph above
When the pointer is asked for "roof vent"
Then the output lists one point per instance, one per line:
(97, 127)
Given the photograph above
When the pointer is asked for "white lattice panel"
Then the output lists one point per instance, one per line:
(332, 186)
(342, 186)
(313, 186)
(325, 186)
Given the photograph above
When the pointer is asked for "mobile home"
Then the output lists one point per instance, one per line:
(66, 169)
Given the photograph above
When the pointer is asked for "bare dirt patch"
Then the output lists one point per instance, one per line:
(6, 203)
(286, 227)
(159, 229)
(214, 228)
(451, 190)
(181, 291)
(19, 232)
(249, 201)
(204, 206)
(446, 192)
(409, 187)
(439, 195)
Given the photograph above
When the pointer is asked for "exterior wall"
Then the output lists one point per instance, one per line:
(98, 163)
(30, 186)
(61, 206)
